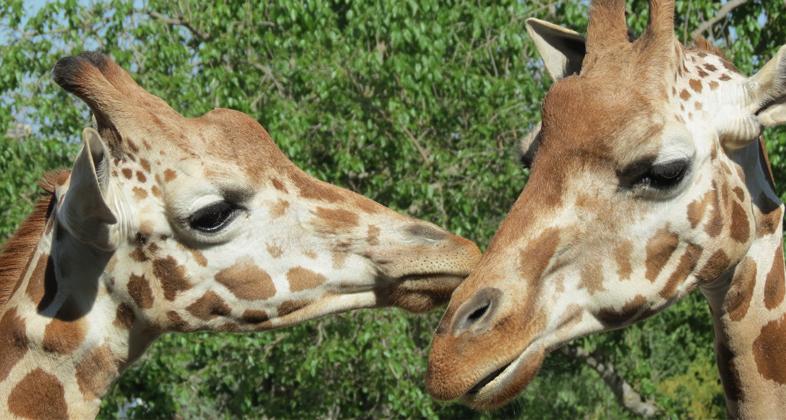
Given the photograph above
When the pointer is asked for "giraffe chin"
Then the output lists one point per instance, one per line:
(504, 383)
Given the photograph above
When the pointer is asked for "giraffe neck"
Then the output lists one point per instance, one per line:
(63, 337)
(747, 304)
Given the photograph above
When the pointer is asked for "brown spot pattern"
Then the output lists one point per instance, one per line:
(289, 306)
(209, 306)
(279, 185)
(95, 372)
(685, 95)
(367, 205)
(696, 209)
(139, 193)
(534, 259)
(337, 219)
(64, 333)
(140, 292)
(714, 267)
(628, 312)
(686, 265)
(774, 288)
(275, 251)
(768, 349)
(140, 176)
(279, 208)
(39, 395)
(124, 316)
(13, 341)
(128, 173)
(314, 189)
(740, 229)
(246, 280)
(138, 255)
(171, 275)
(770, 218)
(659, 250)
(373, 235)
(592, 278)
(169, 175)
(42, 285)
(198, 257)
(339, 258)
(177, 322)
(300, 278)
(738, 298)
(622, 257)
(253, 316)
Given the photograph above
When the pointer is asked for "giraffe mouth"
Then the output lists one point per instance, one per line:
(485, 381)
(505, 382)
(418, 292)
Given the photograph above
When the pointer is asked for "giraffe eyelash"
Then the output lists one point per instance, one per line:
(214, 217)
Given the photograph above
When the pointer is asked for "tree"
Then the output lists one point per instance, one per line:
(417, 104)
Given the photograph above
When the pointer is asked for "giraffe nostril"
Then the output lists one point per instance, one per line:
(477, 312)
(420, 230)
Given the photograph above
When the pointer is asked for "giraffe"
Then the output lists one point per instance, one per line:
(167, 223)
(648, 180)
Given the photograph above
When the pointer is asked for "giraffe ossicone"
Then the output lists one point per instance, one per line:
(167, 223)
(648, 180)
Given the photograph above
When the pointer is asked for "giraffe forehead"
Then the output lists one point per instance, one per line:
(587, 116)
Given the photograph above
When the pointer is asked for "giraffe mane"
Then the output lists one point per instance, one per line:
(17, 251)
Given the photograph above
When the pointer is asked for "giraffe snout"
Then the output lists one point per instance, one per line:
(423, 267)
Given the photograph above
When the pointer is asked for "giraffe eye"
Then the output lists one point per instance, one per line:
(665, 175)
(646, 175)
(214, 217)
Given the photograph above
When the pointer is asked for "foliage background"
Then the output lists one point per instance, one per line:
(417, 104)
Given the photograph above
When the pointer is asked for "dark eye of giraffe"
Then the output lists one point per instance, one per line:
(665, 175)
(660, 176)
(214, 217)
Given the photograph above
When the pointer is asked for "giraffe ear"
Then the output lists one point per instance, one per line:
(767, 90)
(562, 49)
(85, 212)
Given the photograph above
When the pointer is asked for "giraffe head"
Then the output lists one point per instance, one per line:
(202, 223)
(635, 197)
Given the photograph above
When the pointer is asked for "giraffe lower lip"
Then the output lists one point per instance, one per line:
(485, 381)
(501, 385)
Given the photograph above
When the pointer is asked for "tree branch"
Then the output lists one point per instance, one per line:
(623, 391)
(722, 13)
(180, 21)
